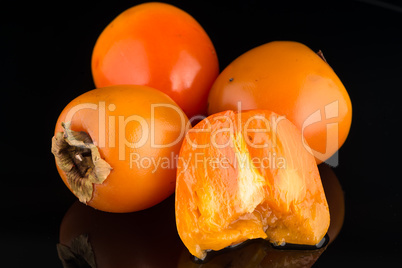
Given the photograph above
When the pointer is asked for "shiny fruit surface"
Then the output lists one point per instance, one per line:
(114, 147)
(291, 80)
(161, 46)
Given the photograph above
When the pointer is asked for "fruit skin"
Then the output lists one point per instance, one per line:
(161, 46)
(130, 186)
(290, 79)
(247, 175)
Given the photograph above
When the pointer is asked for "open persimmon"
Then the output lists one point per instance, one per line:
(247, 175)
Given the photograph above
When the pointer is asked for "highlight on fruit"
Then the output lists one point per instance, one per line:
(161, 46)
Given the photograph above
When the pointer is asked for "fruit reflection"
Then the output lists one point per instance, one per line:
(259, 253)
(92, 238)
(335, 199)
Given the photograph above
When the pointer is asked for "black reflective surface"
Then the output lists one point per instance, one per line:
(149, 239)
(46, 51)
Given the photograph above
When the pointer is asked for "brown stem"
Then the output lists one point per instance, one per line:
(319, 53)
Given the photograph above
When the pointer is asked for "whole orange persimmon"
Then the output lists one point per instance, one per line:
(290, 79)
(161, 46)
(247, 175)
(115, 147)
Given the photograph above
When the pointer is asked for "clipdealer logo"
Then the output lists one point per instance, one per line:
(331, 111)
(112, 134)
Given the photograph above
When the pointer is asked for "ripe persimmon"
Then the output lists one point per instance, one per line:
(289, 79)
(115, 147)
(247, 175)
(161, 46)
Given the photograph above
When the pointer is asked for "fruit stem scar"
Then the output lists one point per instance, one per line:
(79, 158)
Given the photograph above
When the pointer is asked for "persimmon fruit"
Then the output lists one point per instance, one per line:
(290, 79)
(115, 147)
(245, 175)
(161, 46)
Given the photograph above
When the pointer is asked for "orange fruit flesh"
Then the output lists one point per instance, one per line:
(247, 175)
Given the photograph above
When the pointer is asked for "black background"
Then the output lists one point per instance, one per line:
(45, 63)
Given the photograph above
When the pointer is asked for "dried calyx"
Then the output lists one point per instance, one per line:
(80, 160)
